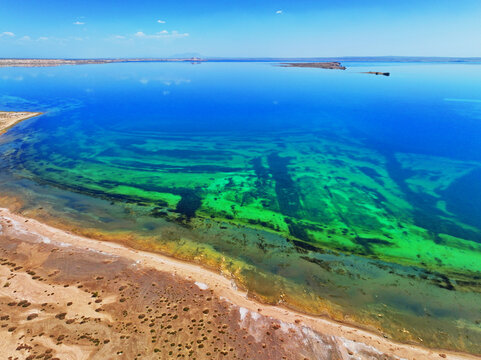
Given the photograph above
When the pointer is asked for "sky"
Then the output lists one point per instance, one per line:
(232, 28)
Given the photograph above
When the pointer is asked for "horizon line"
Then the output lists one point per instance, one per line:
(273, 58)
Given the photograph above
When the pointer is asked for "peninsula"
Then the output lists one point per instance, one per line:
(334, 65)
(10, 118)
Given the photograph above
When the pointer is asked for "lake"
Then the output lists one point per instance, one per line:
(336, 193)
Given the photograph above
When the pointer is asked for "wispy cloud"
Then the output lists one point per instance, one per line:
(279, 12)
(27, 39)
(164, 34)
(79, 23)
(161, 21)
(7, 34)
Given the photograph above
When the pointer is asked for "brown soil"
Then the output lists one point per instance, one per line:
(67, 297)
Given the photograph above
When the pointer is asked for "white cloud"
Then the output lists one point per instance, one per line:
(164, 34)
(279, 12)
(79, 23)
(7, 34)
(161, 21)
(42, 38)
(119, 37)
(26, 38)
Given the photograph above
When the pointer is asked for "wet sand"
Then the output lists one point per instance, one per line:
(11, 118)
(63, 296)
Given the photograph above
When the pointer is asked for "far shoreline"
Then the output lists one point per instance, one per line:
(50, 62)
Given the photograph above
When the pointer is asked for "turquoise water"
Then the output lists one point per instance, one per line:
(333, 192)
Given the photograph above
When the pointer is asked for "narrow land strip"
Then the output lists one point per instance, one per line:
(59, 62)
(11, 118)
(334, 65)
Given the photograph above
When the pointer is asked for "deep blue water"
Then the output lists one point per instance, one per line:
(424, 108)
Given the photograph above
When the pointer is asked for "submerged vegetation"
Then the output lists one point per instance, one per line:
(324, 194)
(309, 200)
(333, 216)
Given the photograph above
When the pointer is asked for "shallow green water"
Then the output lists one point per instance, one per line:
(332, 192)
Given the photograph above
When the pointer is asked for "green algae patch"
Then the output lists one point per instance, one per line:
(334, 194)
(164, 199)
(323, 224)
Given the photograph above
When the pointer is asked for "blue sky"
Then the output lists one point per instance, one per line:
(247, 28)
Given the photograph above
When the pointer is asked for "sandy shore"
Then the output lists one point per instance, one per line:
(11, 118)
(88, 298)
